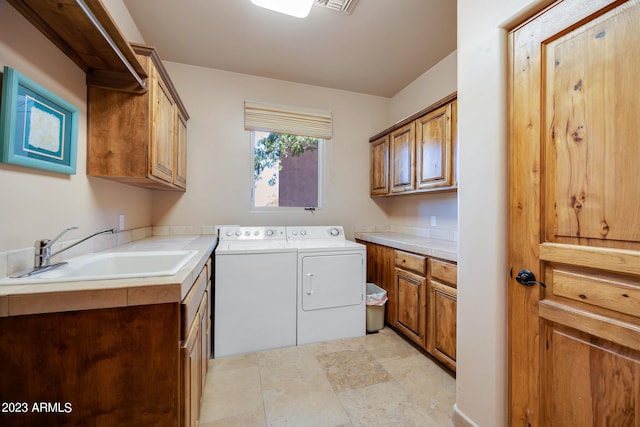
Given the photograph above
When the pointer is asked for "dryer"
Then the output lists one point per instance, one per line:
(331, 288)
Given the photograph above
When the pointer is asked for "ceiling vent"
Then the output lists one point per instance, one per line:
(344, 6)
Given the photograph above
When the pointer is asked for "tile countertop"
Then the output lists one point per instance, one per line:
(444, 249)
(69, 296)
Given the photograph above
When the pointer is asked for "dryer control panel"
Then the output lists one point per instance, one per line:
(316, 232)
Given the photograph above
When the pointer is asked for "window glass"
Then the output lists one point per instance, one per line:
(286, 170)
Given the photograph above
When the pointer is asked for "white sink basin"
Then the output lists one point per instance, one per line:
(111, 265)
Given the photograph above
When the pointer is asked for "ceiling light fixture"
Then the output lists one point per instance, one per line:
(297, 8)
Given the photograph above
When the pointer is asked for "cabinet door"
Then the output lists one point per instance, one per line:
(379, 166)
(381, 272)
(434, 154)
(411, 297)
(191, 375)
(385, 257)
(441, 342)
(181, 152)
(403, 148)
(204, 342)
(162, 130)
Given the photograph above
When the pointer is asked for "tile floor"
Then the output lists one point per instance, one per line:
(376, 380)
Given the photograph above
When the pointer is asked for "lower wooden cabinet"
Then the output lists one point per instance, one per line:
(422, 298)
(380, 271)
(122, 366)
(443, 294)
(411, 296)
(194, 351)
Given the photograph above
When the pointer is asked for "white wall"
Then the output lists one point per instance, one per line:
(416, 210)
(219, 162)
(38, 204)
(434, 84)
(482, 197)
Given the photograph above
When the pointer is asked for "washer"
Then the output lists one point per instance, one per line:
(331, 284)
(255, 290)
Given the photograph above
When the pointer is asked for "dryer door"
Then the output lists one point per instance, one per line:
(330, 281)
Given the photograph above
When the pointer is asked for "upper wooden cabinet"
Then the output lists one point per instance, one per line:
(379, 171)
(434, 151)
(139, 139)
(87, 34)
(403, 155)
(421, 153)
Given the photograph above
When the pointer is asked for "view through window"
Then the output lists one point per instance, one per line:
(286, 170)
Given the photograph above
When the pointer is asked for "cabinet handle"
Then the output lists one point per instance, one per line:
(310, 288)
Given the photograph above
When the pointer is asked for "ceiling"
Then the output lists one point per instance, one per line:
(378, 49)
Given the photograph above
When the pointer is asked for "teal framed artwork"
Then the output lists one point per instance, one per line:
(38, 129)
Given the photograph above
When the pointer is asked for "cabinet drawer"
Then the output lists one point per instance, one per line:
(413, 262)
(191, 303)
(444, 271)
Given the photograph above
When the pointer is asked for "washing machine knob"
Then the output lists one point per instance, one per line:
(246, 233)
(238, 233)
(269, 232)
(334, 232)
(303, 232)
(229, 233)
(294, 232)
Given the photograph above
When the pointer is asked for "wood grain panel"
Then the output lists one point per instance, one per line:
(613, 330)
(581, 387)
(608, 259)
(411, 306)
(434, 159)
(444, 271)
(403, 148)
(379, 164)
(163, 130)
(180, 178)
(441, 342)
(409, 261)
(115, 367)
(592, 119)
(614, 293)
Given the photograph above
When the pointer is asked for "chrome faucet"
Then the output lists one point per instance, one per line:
(43, 247)
(43, 255)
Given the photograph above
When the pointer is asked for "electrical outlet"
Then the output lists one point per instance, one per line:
(433, 220)
(121, 222)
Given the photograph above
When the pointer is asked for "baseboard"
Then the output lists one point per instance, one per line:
(460, 419)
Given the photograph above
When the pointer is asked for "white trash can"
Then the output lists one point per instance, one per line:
(376, 300)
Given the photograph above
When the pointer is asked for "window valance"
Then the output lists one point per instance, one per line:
(287, 119)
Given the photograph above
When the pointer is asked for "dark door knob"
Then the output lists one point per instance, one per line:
(527, 278)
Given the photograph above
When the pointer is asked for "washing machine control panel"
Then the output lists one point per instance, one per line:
(234, 232)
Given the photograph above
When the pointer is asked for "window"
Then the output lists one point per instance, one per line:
(287, 170)
(287, 146)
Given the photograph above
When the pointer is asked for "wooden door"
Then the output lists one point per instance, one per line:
(574, 345)
(403, 149)
(434, 153)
